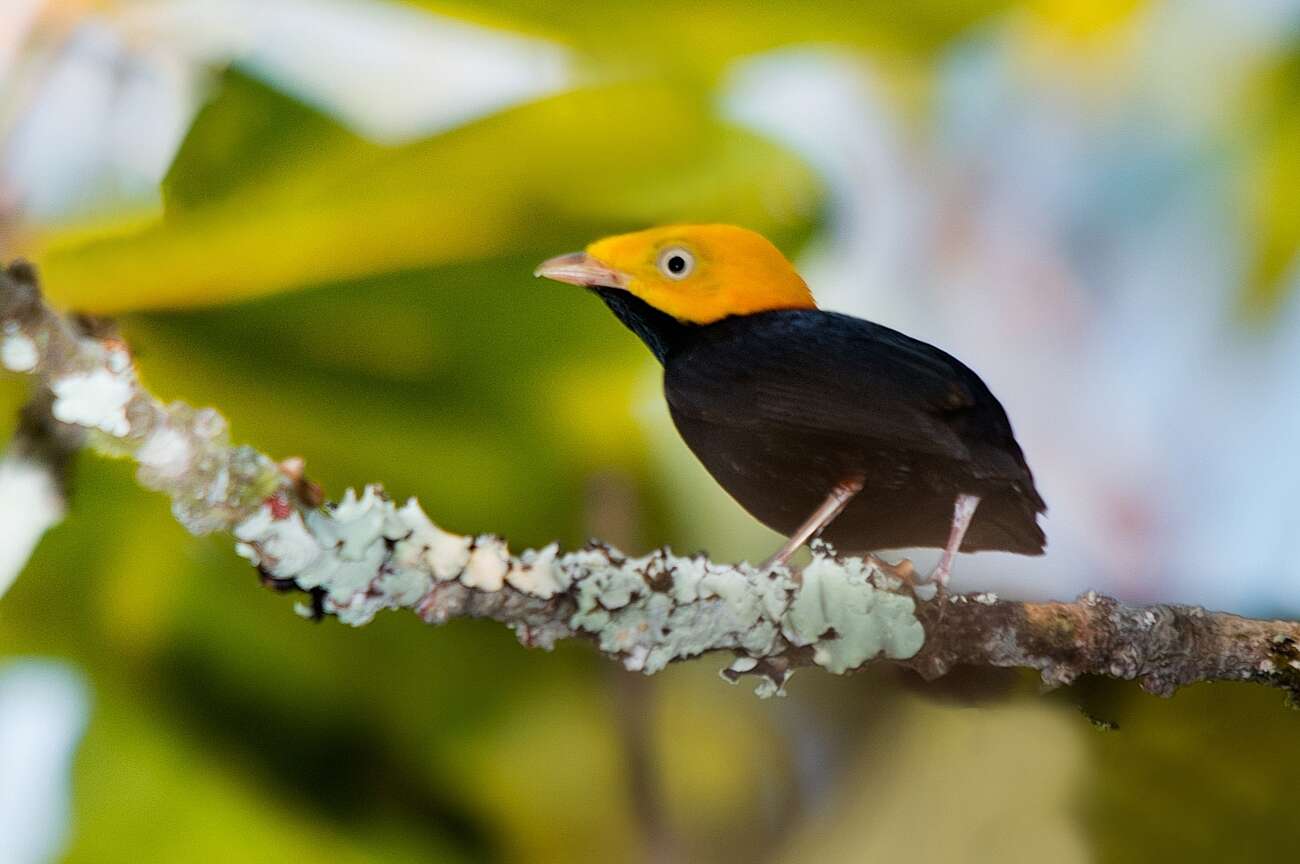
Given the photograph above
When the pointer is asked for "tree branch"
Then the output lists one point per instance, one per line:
(366, 553)
(33, 484)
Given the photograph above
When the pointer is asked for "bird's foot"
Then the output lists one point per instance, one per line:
(963, 512)
(779, 558)
(941, 572)
(904, 570)
(840, 495)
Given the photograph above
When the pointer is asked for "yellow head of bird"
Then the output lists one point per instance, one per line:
(695, 273)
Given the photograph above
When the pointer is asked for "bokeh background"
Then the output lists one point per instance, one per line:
(321, 216)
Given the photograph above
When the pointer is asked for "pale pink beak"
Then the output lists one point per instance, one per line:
(579, 268)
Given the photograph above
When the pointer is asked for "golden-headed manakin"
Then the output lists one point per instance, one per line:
(817, 423)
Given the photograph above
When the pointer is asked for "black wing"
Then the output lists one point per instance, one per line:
(862, 383)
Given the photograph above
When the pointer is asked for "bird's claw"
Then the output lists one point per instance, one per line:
(904, 570)
(940, 574)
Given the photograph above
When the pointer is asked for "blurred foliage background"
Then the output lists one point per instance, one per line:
(322, 217)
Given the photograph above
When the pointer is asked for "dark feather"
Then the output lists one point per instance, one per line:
(780, 406)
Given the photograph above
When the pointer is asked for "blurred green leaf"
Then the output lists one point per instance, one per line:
(1271, 181)
(524, 180)
(250, 133)
(693, 39)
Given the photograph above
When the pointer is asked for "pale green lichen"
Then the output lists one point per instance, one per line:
(355, 526)
(96, 399)
(489, 562)
(443, 553)
(283, 548)
(365, 555)
(767, 688)
(600, 588)
(740, 666)
(697, 607)
(848, 620)
(537, 573)
(18, 353)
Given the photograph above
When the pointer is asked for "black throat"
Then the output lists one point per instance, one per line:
(662, 333)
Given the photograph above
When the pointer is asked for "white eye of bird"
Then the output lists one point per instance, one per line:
(676, 263)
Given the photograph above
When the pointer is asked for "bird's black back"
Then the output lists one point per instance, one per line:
(781, 405)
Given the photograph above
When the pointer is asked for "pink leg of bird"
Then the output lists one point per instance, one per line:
(834, 505)
(962, 512)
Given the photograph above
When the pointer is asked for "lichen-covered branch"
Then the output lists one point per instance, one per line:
(33, 484)
(367, 553)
